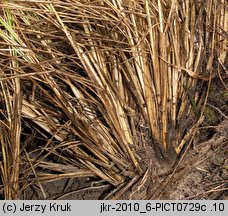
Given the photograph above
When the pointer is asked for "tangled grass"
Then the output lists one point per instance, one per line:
(80, 80)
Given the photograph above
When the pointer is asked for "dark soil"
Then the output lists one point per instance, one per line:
(71, 189)
(203, 174)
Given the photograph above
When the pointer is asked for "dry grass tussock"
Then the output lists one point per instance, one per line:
(82, 83)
